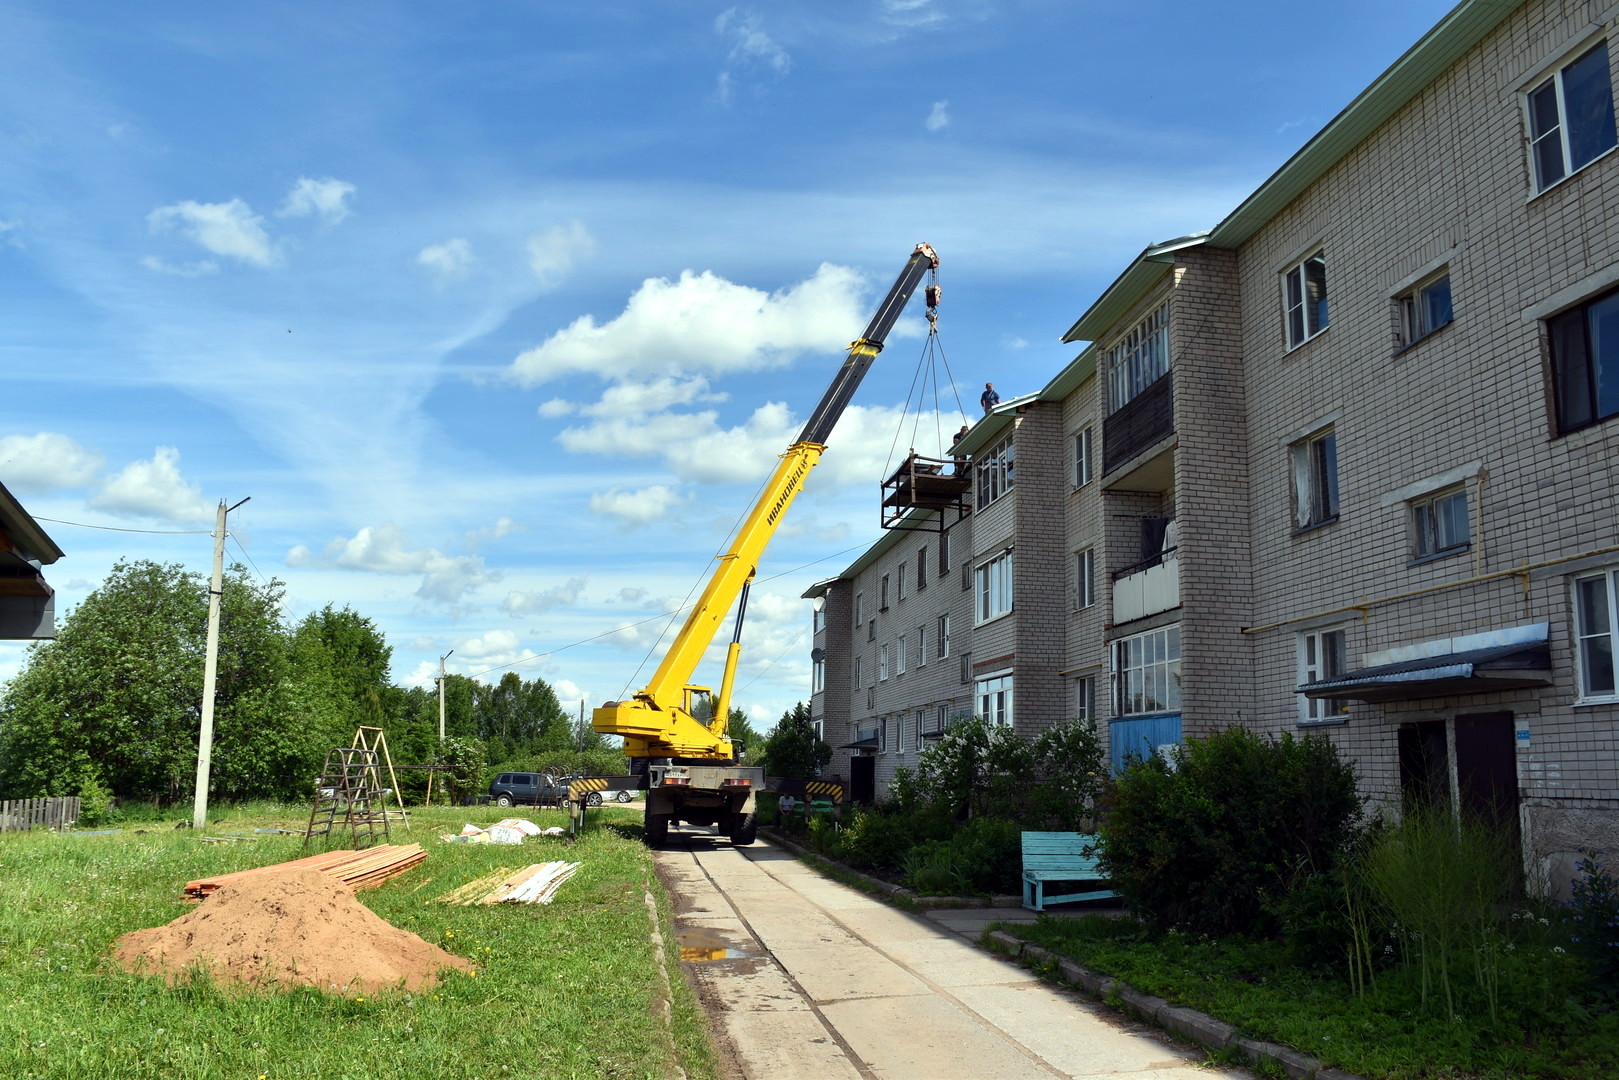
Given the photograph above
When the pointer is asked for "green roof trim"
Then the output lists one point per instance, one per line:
(1145, 272)
(1466, 25)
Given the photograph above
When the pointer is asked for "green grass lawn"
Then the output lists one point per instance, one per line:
(565, 990)
(1386, 1035)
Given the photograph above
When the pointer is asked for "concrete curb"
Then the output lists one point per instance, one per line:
(1184, 1023)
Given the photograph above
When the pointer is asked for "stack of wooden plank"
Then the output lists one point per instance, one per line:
(534, 884)
(356, 869)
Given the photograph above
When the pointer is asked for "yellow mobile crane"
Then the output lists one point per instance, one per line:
(676, 729)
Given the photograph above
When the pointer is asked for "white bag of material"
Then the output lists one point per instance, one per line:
(522, 825)
(500, 834)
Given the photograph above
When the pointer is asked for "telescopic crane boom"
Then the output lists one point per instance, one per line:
(670, 717)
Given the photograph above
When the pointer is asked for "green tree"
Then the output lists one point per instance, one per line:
(739, 729)
(525, 716)
(793, 748)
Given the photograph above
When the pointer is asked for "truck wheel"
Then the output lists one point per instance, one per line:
(593, 799)
(744, 829)
(656, 830)
(504, 800)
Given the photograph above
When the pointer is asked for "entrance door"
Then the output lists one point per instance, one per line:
(1424, 767)
(862, 780)
(1487, 768)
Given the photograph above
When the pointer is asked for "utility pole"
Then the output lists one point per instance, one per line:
(441, 660)
(210, 670)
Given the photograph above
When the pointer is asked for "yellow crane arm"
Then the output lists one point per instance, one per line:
(663, 720)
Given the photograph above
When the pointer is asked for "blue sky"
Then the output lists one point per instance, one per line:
(500, 312)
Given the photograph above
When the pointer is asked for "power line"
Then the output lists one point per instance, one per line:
(114, 528)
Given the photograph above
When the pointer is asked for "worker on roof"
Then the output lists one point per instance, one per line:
(989, 398)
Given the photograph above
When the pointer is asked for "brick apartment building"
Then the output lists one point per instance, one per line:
(1345, 463)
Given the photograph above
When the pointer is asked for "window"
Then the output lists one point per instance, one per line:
(995, 588)
(994, 469)
(1315, 479)
(1138, 359)
(1585, 363)
(857, 672)
(1082, 457)
(1304, 299)
(921, 726)
(967, 666)
(817, 620)
(1596, 625)
(1084, 578)
(1085, 698)
(859, 609)
(995, 698)
(899, 655)
(921, 646)
(1425, 309)
(1321, 656)
(882, 735)
(871, 630)
(1148, 667)
(882, 662)
(941, 719)
(944, 636)
(882, 594)
(1571, 118)
(871, 697)
(1439, 522)
(899, 733)
(944, 554)
(904, 569)
(922, 568)
(818, 677)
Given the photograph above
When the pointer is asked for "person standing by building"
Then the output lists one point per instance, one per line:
(989, 398)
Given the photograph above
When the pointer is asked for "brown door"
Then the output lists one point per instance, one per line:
(862, 779)
(1487, 768)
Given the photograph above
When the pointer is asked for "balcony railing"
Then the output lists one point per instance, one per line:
(1147, 588)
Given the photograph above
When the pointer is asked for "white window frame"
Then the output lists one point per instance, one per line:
(904, 569)
(992, 592)
(899, 655)
(944, 637)
(882, 662)
(942, 718)
(994, 472)
(1427, 522)
(859, 609)
(1557, 136)
(1417, 318)
(1322, 654)
(817, 620)
(1084, 578)
(1313, 461)
(1296, 277)
(922, 646)
(1139, 358)
(1590, 633)
(817, 676)
(993, 696)
(1084, 461)
(1085, 697)
(882, 735)
(857, 672)
(1147, 669)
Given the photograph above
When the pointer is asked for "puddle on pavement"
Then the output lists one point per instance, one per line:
(700, 945)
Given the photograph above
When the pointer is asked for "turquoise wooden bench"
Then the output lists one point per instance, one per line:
(1059, 856)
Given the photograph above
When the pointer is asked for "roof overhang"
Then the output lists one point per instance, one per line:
(27, 602)
(1465, 26)
(1129, 287)
(860, 744)
(1515, 666)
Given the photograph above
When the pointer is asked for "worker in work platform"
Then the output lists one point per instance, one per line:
(961, 459)
(989, 398)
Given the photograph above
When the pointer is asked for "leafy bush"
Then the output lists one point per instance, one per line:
(979, 769)
(873, 840)
(1214, 840)
(1593, 922)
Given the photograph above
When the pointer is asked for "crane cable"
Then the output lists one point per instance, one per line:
(927, 370)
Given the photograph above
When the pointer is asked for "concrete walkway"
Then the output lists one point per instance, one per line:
(808, 978)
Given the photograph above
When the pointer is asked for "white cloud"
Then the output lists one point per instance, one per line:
(702, 323)
(385, 549)
(752, 50)
(10, 234)
(939, 117)
(154, 489)
(45, 461)
(200, 268)
(327, 199)
(568, 692)
(1013, 341)
(552, 253)
(911, 14)
(635, 508)
(640, 398)
(229, 229)
(502, 642)
(448, 261)
(502, 528)
(555, 408)
(534, 603)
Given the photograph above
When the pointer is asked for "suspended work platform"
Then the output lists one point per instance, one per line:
(924, 483)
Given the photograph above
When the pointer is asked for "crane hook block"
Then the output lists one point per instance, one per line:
(932, 294)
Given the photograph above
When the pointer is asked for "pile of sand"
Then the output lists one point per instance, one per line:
(299, 927)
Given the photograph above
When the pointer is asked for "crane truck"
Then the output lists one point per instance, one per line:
(675, 732)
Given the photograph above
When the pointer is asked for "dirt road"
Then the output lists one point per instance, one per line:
(808, 978)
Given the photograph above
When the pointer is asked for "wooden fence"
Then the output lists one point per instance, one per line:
(20, 815)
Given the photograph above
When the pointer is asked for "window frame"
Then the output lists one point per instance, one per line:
(904, 569)
(1315, 496)
(922, 646)
(1556, 82)
(1004, 705)
(817, 620)
(1085, 578)
(1304, 306)
(1426, 521)
(882, 662)
(1329, 661)
(1565, 352)
(1586, 695)
(921, 568)
(817, 675)
(1085, 697)
(1138, 358)
(995, 472)
(1145, 648)
(857, 672)
(944, 636)
(899, 655)
(1414, 315)
(882, 593)
(1083, 458)
(992, 589)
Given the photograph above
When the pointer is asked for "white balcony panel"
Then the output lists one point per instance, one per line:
(1147, 592)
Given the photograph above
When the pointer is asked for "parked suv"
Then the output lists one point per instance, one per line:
(527, 789)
